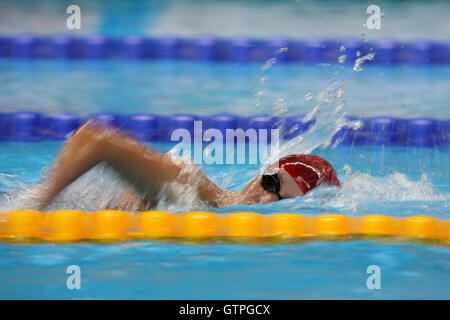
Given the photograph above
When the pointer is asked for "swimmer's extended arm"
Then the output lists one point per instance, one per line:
(146, 169)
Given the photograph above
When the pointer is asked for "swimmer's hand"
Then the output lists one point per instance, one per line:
(145, 169)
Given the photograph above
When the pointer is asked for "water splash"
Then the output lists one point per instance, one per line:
(360, 61)
(17, 193)
(264, 80)
(91, 192)
(309, 96)
(328, 114)
(281, 107)
(269, 63)
(258, 93)
(361, 192)
(102, 188)
(10, 181)
(181, 196)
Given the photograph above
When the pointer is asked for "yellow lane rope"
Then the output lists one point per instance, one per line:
(110, 225)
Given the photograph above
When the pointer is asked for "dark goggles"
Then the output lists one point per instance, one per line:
(271, 183)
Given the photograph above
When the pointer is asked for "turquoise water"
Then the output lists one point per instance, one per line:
(169, 87)
(394, 181)
(154, 270)
(380, 181)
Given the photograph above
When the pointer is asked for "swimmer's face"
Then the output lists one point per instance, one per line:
(256, 193)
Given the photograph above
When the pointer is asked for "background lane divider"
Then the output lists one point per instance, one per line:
(111, 225)
(386, 131)
(235, 49)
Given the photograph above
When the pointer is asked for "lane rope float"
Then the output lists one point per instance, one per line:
(240, 49)
(381, 130)
(111, 225)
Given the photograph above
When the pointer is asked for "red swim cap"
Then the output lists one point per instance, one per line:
(309, 171)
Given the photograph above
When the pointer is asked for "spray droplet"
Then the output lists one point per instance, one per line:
(281, 106)
(269, 63)
(357, 125)
(342, 58)
(309, 96)
(363, 37)
(264, 80)
(360, 61)
(342, 48)
(259, 93)
(281, 50)
(358, 53)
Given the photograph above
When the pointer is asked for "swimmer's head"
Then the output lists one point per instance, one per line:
(291, 176)
(308, 171)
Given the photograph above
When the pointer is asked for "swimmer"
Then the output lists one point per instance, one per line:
(148, 171)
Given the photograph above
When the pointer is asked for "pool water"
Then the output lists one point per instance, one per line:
(168, 87)
(396, 182)
(384, 180)
(158, 270)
